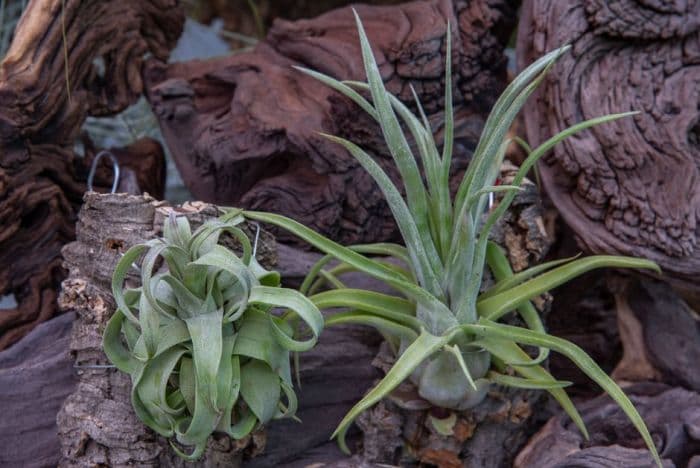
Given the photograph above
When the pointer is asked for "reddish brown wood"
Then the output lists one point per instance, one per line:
(243, 129)
(628, 187)
(49, 83)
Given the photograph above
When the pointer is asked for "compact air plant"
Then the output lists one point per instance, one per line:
(201, 343)
(445, 333)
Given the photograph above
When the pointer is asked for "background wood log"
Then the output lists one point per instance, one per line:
(243, 129)
(665, 338)
(36, 375)
(672, 415)
(68, 60)
(627, 187)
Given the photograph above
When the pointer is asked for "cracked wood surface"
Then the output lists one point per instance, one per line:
(631, 186)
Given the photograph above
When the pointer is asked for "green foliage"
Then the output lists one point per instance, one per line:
(204, 351)
(445, 333)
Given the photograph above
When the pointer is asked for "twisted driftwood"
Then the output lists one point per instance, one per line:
(631, 186)
(68, 60)
(243, 129)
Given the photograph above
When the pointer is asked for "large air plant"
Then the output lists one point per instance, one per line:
(446, 335)
(200, 341)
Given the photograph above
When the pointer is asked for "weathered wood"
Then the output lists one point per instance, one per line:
(627, 187)
(672, 415)
(68, 60)
(36, 374)
(666, 342)
(243, 130)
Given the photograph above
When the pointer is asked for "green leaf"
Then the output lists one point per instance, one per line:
(296, 302)
(260, 388)
(116, 352)
(529, 384)
(582, 361)
(495, 306)
(426, 272)
(392, 308)
(508, 351)
(457, 353)
(119, 275)
(401, 152)
(498, 263)
(375, 321)
(362, 263)
(207, 343)
(256, 339)
(423, 347)
(152, 388)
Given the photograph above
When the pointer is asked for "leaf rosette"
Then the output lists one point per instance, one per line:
(201, 339)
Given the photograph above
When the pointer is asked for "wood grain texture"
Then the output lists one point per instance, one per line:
(243, 129)
(628, 187)
(672, 415)
(36, 374)
(49, 83)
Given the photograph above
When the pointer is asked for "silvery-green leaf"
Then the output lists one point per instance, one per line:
(260, 388)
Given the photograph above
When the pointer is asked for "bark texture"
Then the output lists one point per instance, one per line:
(672, 415)
(65, 64)
(243, 129)
(631, 186)
(96, 423)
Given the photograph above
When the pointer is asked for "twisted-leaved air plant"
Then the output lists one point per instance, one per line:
(204, 351)
(445, 333)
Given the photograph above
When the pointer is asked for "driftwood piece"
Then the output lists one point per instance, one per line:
(243, 129)
(627, 187)
(672, 415)
(49, 83)
(662, 340)
(36, 374)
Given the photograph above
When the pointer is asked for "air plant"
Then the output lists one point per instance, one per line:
(201, 343)
(446, 333)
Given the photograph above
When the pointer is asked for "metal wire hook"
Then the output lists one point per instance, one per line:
(93, 168)
(257, 236)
